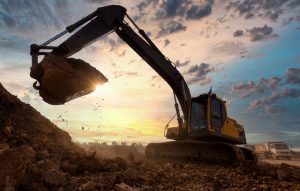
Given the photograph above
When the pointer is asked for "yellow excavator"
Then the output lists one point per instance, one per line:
(204, 132)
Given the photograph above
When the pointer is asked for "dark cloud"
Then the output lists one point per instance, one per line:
(182, 64)
(197, 74)
(274, 110)
(170, 27)
(15, 43)
(144, 4)
(267, 101)
(238, 33)
(229, 48)
(25, 17)
(197, 12)
(271, 9)
(293, 76)
(96, 1)
(293, 3)
(261, 33)
(113, 43)
(184, 9)
(289, 123)
(166, 42)
(251, 88)
(172, 8)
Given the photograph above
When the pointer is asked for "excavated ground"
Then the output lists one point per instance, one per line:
(36, 155)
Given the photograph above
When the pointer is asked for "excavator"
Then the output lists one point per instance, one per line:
(204, 131)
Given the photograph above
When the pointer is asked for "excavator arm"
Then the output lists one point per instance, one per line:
(110, 19)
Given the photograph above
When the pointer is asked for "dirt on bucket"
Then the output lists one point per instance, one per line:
(64, 79)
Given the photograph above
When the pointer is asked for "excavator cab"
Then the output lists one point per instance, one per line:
(208, 121)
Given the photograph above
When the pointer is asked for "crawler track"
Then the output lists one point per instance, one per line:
(199, 151)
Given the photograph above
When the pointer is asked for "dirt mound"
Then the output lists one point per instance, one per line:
(37, 155)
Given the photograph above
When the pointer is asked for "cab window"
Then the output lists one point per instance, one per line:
(216, 113)
(198, 115)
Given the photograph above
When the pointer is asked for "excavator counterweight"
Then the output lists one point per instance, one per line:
(204, 132)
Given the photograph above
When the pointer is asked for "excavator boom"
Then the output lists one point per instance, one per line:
(111, 19)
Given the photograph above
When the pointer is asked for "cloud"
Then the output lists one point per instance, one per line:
(231, 48)
(16, 43)
(250, 88)
(118, 74)
(292, 76)
(261, 33)
(166, 42)
(96, 1)
(144, 4)
(31, 17)
(182, 64)
(170, 27)
(238, 33)
(270, 9)
(184, 9)
(289, 123)
(197, 74)
(197, 12)
(29, 95)
(274, 110)
(275, 96)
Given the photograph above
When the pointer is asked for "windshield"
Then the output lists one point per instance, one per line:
(281, 146)
(198, 115)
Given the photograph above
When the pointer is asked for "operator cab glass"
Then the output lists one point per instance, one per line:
(218, 113)
(198, 115)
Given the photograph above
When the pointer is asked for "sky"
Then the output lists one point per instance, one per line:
(247, 51)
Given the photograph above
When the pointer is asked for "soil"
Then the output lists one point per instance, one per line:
(36, 155)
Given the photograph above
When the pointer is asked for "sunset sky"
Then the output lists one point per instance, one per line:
(248, 51)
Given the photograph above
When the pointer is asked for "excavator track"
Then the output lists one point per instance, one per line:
(210, 152)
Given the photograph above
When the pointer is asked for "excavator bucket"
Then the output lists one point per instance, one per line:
(63, 79)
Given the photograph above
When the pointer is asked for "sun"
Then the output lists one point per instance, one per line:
(102, 89)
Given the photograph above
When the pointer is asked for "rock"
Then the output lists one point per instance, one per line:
(42, 155)
(7, 131)
(54, 177)
(121, 163)
(124, 187)
(111, 166)
(3, 147)
(89, 186)
(90, 165)
(14, 166)
(185, 176)
(67, 167)
(131, 175)
(131, 157)
(36, 187)
(265, 187)
(288, 173)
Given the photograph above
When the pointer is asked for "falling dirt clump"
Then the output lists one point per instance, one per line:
(36, 155)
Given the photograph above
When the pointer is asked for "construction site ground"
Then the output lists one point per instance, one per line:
(290, 162)
(35, 155)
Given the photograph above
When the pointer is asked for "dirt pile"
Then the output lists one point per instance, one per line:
(128, 152)
(36, 155)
